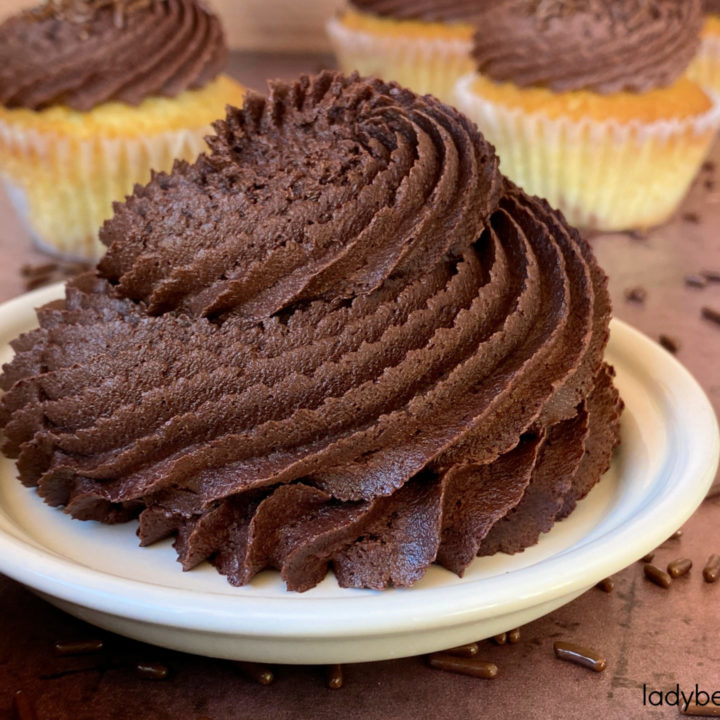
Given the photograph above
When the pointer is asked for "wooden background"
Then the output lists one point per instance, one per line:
(285, 25)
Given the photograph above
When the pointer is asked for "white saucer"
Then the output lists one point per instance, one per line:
(665, 465)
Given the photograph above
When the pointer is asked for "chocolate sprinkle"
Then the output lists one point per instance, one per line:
(500, 639)
(711, 275)
(23, 706)
(657, 576)
(636, 294)
(65, 648)
(334, 676)
(711, 571)
(691, 217)
(679, 567)
(696, 281)
(701, 710)
(580, 655)
(711, 314)
(648, 558)
(514, 636)
(463, 666)
(261, 674)
(672, 345)
(469, 650)
(151, 671)
(607, 585)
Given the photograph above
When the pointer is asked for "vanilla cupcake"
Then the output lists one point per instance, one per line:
(93, 95)
(425, 46)
(705, 68)
(589, 104)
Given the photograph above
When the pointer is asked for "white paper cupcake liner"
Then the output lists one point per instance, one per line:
(424, 65)
(602, 175)
(63, 187)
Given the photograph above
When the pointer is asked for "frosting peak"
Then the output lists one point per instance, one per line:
(600, 45)
(81, 53)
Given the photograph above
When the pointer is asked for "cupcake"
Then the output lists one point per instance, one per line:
(340, 340)
(95, 93)
(424, 46)
(705, 68)
(589, 105)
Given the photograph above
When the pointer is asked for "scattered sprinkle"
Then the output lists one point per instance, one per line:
(672, 345)
(636, 294)
(679, 567)
(657, 576)
(711, 571)
(580, 656)
(463, 666)
(711, 314)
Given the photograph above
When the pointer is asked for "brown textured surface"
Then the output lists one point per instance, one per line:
(647, 634)
(600, 45)
(81, 54)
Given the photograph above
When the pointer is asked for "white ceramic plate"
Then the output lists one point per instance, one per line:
(665, 465)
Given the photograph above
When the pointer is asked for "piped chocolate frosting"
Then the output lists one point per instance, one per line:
(341, 339)
(81, 53)
(465, 11)
(600, 45)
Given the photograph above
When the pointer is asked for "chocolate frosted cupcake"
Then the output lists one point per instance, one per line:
(589, 105)
(95, 93)
(705, 68)
(342, 339)
(424, 45)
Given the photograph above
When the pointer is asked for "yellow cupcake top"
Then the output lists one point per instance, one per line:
(682, 99)
(418, 29)
(192, 109)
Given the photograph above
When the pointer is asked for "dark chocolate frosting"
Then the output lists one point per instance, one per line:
(712, 6)
(428, 10)
(341, 339)
(600, 45)
(81, 53)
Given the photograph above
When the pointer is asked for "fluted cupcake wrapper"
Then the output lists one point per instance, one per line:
(63, 187)
(422, 64)
(705, 68)
(602, 175)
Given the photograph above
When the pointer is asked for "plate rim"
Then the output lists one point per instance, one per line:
(383, 612)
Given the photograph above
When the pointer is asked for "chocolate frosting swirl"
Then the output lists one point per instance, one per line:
(428, 10)
(86, 53)
(342, 338)
(600, 45)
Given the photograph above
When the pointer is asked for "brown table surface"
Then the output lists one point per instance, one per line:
(653, 638)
